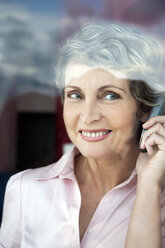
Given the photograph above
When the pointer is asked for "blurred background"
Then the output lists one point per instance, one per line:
(32, 133)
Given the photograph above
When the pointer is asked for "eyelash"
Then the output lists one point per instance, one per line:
(79, 96)
(115, 96)
(69, 95)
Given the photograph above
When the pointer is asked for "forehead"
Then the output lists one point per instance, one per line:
(78, 71)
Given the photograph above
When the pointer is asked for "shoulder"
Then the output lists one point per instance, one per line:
(30, 174)
(47, 172)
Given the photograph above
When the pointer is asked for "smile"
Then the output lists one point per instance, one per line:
(94, 135)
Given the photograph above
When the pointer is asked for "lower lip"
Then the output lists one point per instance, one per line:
(94, 139)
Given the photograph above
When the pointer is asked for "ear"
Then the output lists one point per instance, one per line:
(144, 116)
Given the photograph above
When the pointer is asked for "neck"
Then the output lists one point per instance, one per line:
(105, 174)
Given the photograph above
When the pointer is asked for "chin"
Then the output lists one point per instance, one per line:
(94, 153)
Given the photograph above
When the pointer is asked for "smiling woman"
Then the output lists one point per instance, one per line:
(103, 109)
(104, 192)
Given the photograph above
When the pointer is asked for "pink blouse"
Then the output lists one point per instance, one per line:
(41, 210)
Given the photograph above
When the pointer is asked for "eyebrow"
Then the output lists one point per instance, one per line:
(99, 89)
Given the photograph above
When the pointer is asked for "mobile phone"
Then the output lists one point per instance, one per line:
(159, 109)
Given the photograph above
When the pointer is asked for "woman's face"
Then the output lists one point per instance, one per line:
(100, 113)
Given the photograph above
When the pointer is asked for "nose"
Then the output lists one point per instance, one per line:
(90, 113)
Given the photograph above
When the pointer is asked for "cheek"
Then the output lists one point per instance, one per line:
(124, 119)
(68, 116)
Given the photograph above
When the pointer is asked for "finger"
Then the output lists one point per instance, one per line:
(154, 140)
(153, 120)
(157, 128)
(149, 149)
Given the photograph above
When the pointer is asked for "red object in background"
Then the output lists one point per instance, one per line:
(61, 134)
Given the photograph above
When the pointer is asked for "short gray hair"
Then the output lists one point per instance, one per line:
(113, 46)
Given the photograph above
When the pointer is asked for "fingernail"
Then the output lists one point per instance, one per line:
(145, 124)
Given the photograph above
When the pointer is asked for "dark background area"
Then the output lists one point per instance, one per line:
(36, 136)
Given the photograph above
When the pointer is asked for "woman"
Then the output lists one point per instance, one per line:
(104, 192)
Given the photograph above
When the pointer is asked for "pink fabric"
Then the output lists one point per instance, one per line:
(42, 206)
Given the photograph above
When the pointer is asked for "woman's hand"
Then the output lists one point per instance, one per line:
(151, 165)
(145, 223)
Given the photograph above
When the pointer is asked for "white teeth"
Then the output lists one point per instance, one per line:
(94, 134)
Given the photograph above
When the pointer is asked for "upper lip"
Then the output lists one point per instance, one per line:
(94, 130)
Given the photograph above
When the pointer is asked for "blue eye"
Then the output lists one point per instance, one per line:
(111, 96)
(74, 95)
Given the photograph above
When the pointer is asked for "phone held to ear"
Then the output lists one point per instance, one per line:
(157, 110)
